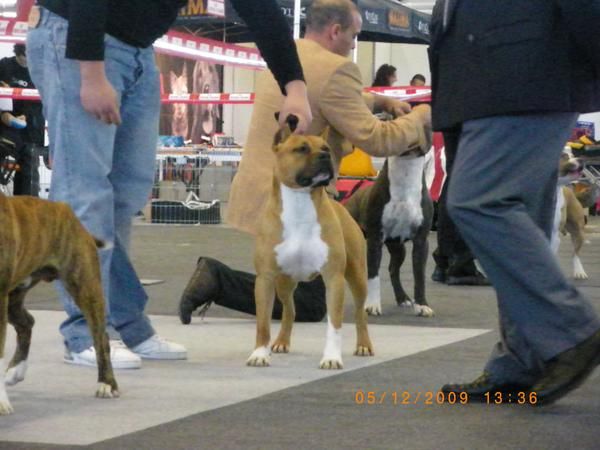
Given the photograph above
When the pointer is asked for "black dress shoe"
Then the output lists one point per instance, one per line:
(199, 292)
(439, 274)
(483, 385)
(476, 279)
(568, 370)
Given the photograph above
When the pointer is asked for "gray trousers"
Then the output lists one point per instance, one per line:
(502, 197)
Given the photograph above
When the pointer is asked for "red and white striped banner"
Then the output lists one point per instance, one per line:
(237, 99)
(243, 98)
(12, 30)
(173, 43)
(405, 93)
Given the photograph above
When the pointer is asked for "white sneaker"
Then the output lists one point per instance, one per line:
(157, 347)
(120, 357)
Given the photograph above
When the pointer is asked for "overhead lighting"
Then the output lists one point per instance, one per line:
(8, 3)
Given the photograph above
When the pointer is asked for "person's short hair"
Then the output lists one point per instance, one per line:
(19, 49)
(322, 13)
(383, 75)
(418, 77)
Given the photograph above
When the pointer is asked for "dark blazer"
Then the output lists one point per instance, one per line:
(496, 57)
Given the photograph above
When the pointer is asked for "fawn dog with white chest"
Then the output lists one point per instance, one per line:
(304, 232)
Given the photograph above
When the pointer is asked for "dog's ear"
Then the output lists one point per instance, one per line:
(281, 135)
(285, 132)
(325, 133)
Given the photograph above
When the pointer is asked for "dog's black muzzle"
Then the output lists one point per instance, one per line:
(319, 173)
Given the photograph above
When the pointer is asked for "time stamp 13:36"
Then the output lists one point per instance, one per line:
(363, 397)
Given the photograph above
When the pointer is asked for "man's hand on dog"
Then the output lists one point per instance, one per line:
(395, 107)
(98, 97)
(296, 104)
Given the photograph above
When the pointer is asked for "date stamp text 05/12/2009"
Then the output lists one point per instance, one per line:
(427, 398)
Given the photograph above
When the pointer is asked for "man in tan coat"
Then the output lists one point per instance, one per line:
(335, 93)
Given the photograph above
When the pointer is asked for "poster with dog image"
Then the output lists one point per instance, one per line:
(182, 76)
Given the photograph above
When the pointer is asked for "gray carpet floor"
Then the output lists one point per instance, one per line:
(324, 413)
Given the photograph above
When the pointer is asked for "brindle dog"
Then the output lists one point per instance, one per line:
(42, 240)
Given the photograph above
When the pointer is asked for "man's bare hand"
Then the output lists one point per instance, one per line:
(395, 107)
(296, 103)
(98, 97)
(424, 111)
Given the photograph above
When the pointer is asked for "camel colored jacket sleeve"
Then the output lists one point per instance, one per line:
(345, 107)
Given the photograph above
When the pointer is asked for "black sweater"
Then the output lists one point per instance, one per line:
(140, 22)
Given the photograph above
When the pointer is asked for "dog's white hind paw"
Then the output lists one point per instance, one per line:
(407, 304)
(331, 363)
(5, 408)
(261, 357)
(580, 275)
(423, 310)
(578, 270)
(105, 391)
(16, 374)
(373, 303)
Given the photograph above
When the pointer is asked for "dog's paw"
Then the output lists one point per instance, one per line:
(580, 275)
(423, 311)
(578, 270)
(5, 406)
(280, 347)
(16, 374)
(406, 304)
(363, 350)
(261, 357)
(373, 308)
(106, 391)
(331, 363)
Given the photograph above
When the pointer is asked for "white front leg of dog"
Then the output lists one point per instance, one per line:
(373, 303)
(332, 355)
(423, 310)
(5, 407)
(260, 357)
(16, 374)
(578, 270)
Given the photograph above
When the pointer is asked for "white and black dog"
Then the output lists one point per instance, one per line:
(396, 209)
(569, 215)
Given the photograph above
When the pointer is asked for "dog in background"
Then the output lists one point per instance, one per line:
(180, 119)
(396, 209)
(43, 241)
(205, 79)
(304, 232)
(569, 215)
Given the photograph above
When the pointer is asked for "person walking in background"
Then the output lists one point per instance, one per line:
(454, 262)
(510, 78)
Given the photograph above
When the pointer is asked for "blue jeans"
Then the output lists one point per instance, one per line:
(103, 172)
(502, 197)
